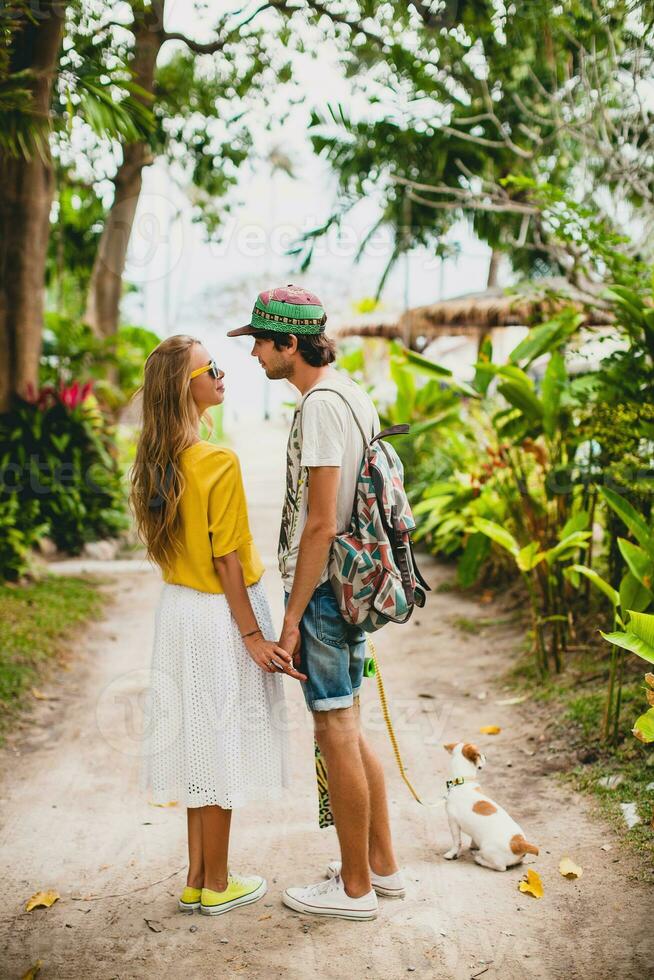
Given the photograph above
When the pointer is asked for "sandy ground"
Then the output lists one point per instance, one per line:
(73, 819)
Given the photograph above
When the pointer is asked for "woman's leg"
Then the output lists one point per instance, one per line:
(216, 823)
(195, 877)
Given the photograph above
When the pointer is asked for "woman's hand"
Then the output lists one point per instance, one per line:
(271, 657)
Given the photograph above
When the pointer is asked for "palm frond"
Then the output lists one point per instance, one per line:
(129, 118)
(23, 132)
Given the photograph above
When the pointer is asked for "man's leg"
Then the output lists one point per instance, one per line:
(337, 734)
(380, 846)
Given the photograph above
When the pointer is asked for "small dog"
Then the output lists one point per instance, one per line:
(496, 839)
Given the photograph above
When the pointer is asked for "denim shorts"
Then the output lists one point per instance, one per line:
(332, 653)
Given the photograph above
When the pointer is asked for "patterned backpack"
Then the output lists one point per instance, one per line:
(372, 568)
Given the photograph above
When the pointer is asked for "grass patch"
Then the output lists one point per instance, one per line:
(633, 789)
(570, 706)
(465, 625)
(37, 621)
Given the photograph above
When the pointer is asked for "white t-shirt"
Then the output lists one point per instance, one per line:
(329, 436)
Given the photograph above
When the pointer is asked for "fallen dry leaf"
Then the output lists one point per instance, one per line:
(42, 900)
(518, 700)
(490, 730)
(172, 803)
(262, 917)
(42, 696)
(649, 679)
(153, 925)
(532, 885)
(33, 971)
(606, 847)
(569, 869)
(486, 597)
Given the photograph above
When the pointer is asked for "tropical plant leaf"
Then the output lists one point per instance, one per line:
(417, 429)
(598, 582)
(474, 555)
(529, 556)
(638, 561)
(522, 398)
(630, 518)
(567, 546)
(426, 366)
(642, 624)
(483, 376)
(578, 522)
(644, 727)
(629, 301)
(546, 337)
(629, 641)
(497, 534)
(634, 595)
(551, 391)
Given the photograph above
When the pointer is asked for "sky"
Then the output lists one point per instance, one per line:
(189, 285)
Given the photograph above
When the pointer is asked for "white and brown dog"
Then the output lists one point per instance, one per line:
(496, 839)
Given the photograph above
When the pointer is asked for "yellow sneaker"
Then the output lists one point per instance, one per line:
(189, 900)
(240, 891)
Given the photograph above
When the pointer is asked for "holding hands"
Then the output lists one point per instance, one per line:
(270, 656)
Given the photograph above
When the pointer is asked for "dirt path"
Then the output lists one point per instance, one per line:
(72, 819)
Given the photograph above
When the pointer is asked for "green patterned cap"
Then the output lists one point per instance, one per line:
(286, 309)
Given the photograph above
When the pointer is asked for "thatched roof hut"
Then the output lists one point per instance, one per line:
(476, 314)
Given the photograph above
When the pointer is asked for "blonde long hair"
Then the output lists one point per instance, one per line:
(170, 420)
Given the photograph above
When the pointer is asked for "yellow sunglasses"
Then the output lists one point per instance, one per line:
(212, 368)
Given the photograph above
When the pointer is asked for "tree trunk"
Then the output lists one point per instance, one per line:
(26, 192)
(106, 284)
(493, 268)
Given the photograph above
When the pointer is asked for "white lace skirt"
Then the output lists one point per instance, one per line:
(215, 724)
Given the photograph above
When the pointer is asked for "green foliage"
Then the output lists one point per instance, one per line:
(71, 350)
(510, 475)
(460, 98)
(20, 531)
(638, 638)
(58, 462)
(75, 229)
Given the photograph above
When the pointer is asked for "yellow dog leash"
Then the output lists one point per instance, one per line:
(325, 816)
(391, 732)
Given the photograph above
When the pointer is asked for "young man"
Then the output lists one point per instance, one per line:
(324, 453)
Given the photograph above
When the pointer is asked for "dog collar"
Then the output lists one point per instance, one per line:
(457, 781)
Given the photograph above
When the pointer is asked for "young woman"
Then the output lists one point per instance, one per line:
(214, 727)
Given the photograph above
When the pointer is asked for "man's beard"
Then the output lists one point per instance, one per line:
(275, 372)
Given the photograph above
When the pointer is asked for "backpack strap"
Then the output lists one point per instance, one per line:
(394, 430)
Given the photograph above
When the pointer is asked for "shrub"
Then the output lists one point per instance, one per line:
(19, 532)
(58, 465)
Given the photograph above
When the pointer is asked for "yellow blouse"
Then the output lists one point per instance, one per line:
(214, 520)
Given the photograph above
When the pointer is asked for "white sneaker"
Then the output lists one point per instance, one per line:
(330, 898)
(392, 886)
